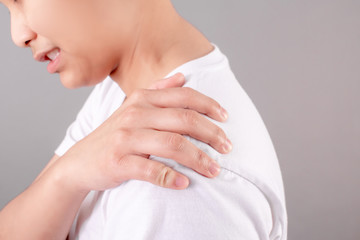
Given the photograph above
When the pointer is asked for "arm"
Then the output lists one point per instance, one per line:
(50, 163)
(113, 153)
(45, 210)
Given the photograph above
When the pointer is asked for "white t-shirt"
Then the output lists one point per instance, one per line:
(246, 201)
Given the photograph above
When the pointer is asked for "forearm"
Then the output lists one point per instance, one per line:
(45, 210)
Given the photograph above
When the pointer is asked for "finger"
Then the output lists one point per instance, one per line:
(173, 146)
(154, 172)
(177, 80)
(182, 98)
(181, 121)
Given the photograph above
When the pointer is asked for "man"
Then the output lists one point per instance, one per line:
(136, 42)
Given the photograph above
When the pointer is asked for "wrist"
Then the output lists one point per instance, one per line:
(63, 177)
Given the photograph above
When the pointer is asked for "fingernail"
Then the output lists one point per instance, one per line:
(181, 182)
(223, 113)
(179, 75)
(227, 146)
(214, 168)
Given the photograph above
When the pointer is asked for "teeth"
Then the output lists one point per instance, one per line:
(53, 54)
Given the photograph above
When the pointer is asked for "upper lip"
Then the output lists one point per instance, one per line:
(42, 56)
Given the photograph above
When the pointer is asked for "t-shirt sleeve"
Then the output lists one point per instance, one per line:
(227, 207)
(82, 126)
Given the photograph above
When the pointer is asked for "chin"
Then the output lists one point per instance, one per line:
(73, 80)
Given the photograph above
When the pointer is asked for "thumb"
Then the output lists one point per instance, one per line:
(177, 80)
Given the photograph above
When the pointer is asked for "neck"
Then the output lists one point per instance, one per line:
(163, 41)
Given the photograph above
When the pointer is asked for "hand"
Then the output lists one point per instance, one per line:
(150, 122)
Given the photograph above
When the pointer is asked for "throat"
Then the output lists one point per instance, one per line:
(150, 59)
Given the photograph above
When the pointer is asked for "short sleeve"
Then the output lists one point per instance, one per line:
(82, 126)
(228, 207)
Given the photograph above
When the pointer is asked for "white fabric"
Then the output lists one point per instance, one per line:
(246, 201)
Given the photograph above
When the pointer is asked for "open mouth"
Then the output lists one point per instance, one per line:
(54, 58)
(53, 54)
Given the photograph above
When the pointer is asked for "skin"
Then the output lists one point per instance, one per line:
(143, 40)
(151, 41)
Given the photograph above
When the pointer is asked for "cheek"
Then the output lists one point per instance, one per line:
(60, 20)
(74, 27)
(75, 32)
(45, 19)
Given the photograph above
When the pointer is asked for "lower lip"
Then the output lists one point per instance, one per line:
(53, 65)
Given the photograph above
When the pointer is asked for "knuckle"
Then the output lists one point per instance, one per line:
(115, 167)
(149, 172)
(200, 159)
(131, 114)
(219, 136)
(186, 96)
(176, 142)
(121, 136)
(162, 177)
(138, 95)
(191, 118)
(189, 92)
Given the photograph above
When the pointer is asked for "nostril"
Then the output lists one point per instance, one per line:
(27, 42)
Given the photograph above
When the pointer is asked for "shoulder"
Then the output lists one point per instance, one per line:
(244, 202)
(253, 157)
(104, 99)
(253, 150)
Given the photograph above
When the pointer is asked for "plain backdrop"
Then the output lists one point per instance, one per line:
(299, 60)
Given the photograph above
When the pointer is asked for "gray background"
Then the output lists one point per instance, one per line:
(298, 60)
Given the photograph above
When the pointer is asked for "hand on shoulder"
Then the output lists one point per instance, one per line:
(150, 122)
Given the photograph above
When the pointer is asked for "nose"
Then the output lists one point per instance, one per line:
(21, 34)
